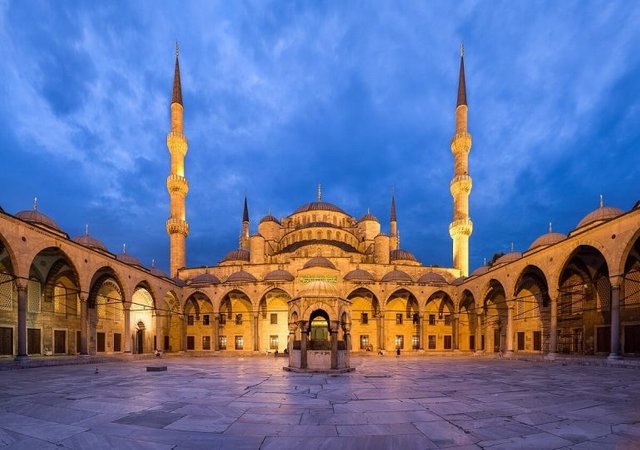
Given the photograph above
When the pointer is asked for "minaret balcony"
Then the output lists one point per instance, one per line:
(177, 184)
(177, 142)
(462, 227)
(177, 226)
(460, 183)
(461, 143)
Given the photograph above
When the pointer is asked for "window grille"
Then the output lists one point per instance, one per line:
(33, 296)
(6, 292)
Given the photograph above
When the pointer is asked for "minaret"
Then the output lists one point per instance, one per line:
(177, 185)
(244, 238)
(461, 227)
(393, 225)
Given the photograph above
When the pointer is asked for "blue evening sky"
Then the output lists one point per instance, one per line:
(280, 96)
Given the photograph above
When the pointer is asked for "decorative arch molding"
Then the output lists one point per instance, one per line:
(101, 276)
(620, 265)
(397, 290)
(597, 246)
(13, 262)
(144, 284)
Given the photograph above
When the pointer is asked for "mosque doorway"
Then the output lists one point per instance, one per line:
(139, 344)
(319, 332)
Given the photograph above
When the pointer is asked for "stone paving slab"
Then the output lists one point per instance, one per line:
(250, 403)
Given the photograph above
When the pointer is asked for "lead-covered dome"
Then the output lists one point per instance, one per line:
(205, 278)
(358, 275)
(128, 259)
(157, 272)
(432, 277)
(369, 216)
(547, 239)
(318, 261)
(600, 215)
(401, 255)
(480, 271)
(270, 218)
(396, 276)
(241, 276)
(508, 257)
(36, 217)
(89, 241)
(278, 275)
(237, 255)
(319, 206)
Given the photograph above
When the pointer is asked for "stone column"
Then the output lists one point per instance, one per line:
(159, 333)
(22, 320)
(456, 332)
(292, 338)
(509, 328)
(334, 344)
(84, 326)
(216, 332)
(183, 334)
(381, 343)
(615, 320)
(553, 327)
(127, 330)
(347, 344)
(256, 344)
(421, 332)
(303, 344)
(478, 338)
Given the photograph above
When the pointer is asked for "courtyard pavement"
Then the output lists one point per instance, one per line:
(250, 403)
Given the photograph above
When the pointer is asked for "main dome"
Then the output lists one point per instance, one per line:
(319, 206)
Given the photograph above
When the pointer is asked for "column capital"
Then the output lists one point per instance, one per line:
(616, 281)
(21, 284)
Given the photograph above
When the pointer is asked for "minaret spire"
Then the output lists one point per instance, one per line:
(244, 237)
(319, 193)
(394, 239)
(461, 227)
(177, 226)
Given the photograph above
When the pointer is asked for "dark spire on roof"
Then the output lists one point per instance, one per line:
(393, 207)
(245, 213)
(462, 88)
(177, 87)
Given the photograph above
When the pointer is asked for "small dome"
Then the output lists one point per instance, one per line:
(128, 259)
(600, 215)
(369, 216)
(458, 281)
(547, 239)
(400, 254)
(397, 275)
(319, 261)
(36, 217)
(359, 275)
(157, 272)
(205, 278)
(278, 275)
(236, 255)
(90, 242)
(319, 206)
(508, 257)
(240, 276)
(480, 270)
(178, 282)
(269, 218)
(319, 288)
(432, 277)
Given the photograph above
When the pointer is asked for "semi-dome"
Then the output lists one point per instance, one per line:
(397, 275)
(36, 217)
(401, 255)
(600, 215)
(358, 275)
(270, 218)
(547, 239)
(241, 276)
(319, 206)
(319, 288)
(205, 278)
(89, 241)
(508, 257)
(278, 275)
(432, 277)
(369, 216)
(237, 255)
(480, 271)
(318, 261)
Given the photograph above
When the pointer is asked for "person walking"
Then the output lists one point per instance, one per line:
(398, 352)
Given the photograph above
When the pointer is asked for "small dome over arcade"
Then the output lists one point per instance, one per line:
(358, 275)
(432, 278)
(128, 259)
(155, 271)
(602, 214)
(278, 275)
(397, 276)
(241, 276)
(401, 255)
(239, 254)
(547, 239)
(508, 257)
(89, 241)
(205, 278)
(458, 281)
(480, 271)
(319, 261)
(36, 217)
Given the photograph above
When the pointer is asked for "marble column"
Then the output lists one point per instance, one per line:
(216, 332)
(509, 328)
(347, 345)
(256, 343)
(421, 332)
(303, 345)
(381, 344)
(84, 326)
(456, 332)
(159, 333)
(615, 321)
(334, 345)
(127, 330)
(22, 320)
(478, 334)
(553, 327)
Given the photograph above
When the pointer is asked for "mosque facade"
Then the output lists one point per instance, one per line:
(321, 283)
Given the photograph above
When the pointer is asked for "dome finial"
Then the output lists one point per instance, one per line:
(601, 201)
(319, 193)
(461, 49)
(550, 228)
(177, 49)
(484, 261)
(86, 229)
(124, 249)
(153, 263)
(368, 211)
(35, 203)
(512, 247)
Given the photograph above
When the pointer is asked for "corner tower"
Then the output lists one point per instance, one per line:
(461, 227)
(177, 226)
